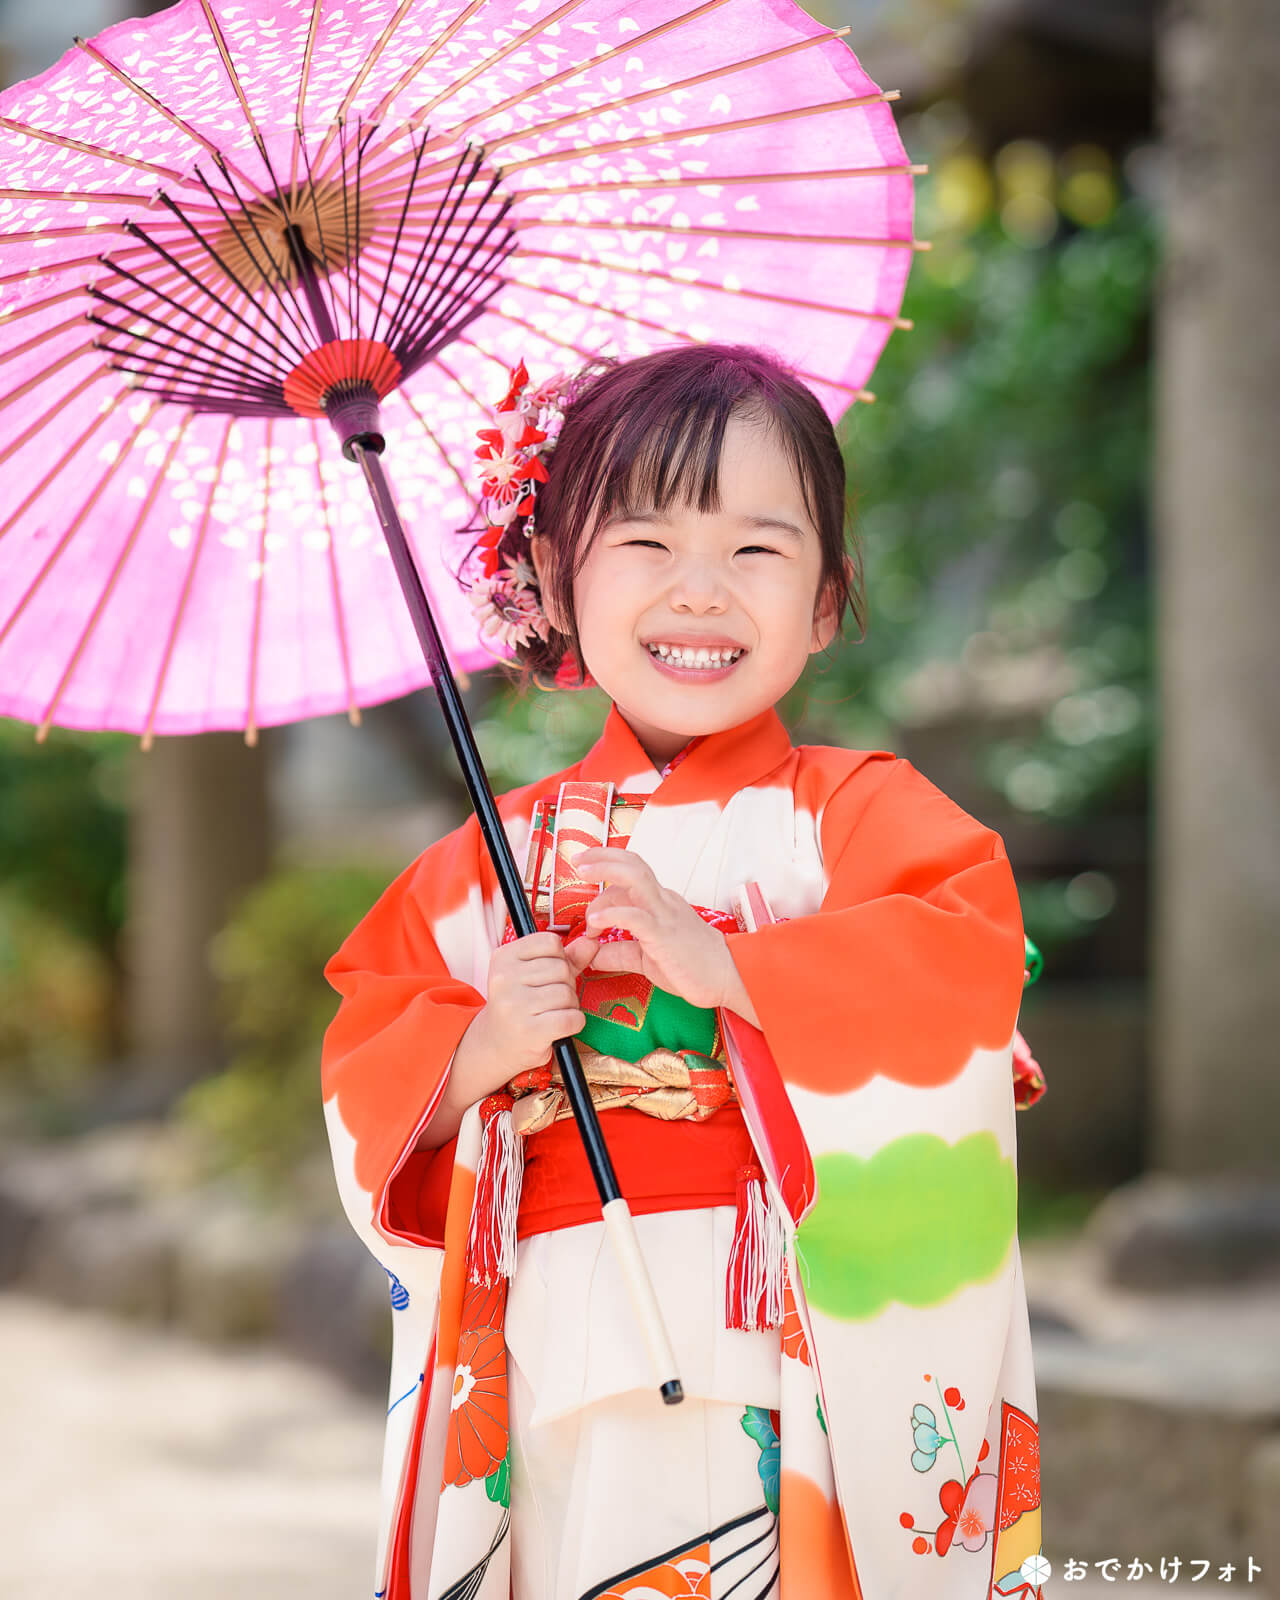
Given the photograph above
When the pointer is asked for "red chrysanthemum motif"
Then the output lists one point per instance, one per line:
(476, 1443)
(483, 1307)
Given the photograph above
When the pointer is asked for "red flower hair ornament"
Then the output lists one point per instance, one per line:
(511, 465)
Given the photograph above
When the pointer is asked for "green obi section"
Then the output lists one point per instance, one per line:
(914, 1223)
(627, 1016)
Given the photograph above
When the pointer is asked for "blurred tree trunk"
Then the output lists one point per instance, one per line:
(200, 836)
(1216, 1019)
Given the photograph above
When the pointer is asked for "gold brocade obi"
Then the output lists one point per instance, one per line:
(641, 1046)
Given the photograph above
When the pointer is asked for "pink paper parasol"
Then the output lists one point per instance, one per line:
(242, 218)
(671, 173)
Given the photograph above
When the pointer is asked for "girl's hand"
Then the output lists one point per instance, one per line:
(674, 948)
(533, 999)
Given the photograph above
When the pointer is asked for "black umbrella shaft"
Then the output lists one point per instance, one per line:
(486, 809)
(309, 278)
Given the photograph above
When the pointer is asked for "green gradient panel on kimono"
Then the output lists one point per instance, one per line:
(915, 1222)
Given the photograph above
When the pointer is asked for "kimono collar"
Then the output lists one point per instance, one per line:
(710, 766)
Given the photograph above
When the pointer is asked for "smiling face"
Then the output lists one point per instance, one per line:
(746, 575)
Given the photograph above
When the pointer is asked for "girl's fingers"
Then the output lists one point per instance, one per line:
(624, 956)
(634, 919)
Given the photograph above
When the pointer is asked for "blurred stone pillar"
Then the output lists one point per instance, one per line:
(200, 836)
(1215, 1043)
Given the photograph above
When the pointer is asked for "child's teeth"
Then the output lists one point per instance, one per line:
(695, 658)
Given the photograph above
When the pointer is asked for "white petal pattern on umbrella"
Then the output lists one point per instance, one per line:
(670, 173)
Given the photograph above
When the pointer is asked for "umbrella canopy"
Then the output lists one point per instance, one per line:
(193, 206)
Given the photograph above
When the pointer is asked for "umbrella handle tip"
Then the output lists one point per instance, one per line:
(672, 1392)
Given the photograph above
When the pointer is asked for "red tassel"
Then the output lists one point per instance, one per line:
(491, 1245)
(753, 1282)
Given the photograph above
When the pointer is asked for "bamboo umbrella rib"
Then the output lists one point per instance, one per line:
(573, 71)
(262, 352)
(371, 60)
(148, 737)
(468, 490)
(366, 66)
(575, 151)
(34, 494)
(671, 333)
(169, 115)
(339, 617)
(328, 269)
(675, 135)
(304, 81)
(272, 274)
(31, 235)
(188, 581)
(436, 45)
(523, 224)
(266, 357)
(12, 314)
(94, 495)
(429, 262)
(200, 284)
(481, 67)
(59, 404)
(106, 197)
(624, 102)
(86, 633)
(260, 583)
(29, 131)
(41, 377)
(220, 42)
(42, 271)
(718, 180)
(750, 294)
(208, 350)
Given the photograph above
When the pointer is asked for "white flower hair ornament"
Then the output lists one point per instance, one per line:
(511, 465)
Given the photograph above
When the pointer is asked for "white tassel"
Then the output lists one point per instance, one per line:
(754, 1278)
(491, 1243)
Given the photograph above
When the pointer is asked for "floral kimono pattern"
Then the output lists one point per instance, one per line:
(882, 947)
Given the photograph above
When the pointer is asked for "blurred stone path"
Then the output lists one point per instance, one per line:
(138, 1464)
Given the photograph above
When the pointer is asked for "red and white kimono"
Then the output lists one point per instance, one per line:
(882, 1442)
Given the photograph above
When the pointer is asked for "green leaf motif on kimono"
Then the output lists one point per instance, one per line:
(822, 1421)
(915, 1222)
(498, 1484)
(757, 1424)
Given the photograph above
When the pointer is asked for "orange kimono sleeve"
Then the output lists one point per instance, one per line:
(915, 955)
(387, 1053)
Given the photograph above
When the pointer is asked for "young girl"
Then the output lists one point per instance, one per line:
(793, 976)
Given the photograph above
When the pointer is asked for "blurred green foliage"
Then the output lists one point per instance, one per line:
(63, 832)
(56, 999)
(63, 827)
(262, 1114)
(1002, 484)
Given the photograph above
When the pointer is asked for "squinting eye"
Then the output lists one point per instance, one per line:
(653, 544)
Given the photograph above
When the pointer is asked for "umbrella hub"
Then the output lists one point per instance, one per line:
(344, 380)
(333, 220)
